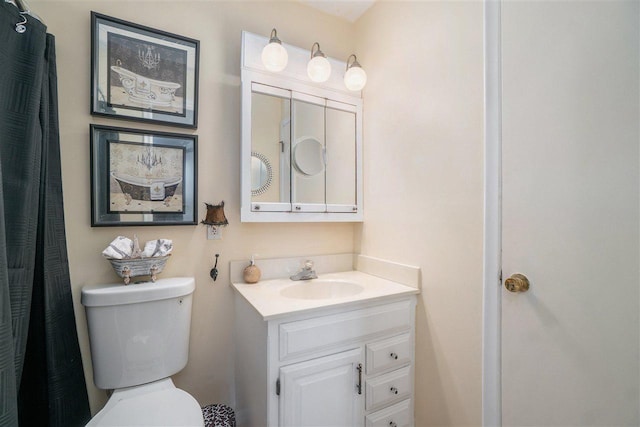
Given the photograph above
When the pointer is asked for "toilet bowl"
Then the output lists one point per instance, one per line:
(139, 337)
(157, 404)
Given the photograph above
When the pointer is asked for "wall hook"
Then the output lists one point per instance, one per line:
(214, 271)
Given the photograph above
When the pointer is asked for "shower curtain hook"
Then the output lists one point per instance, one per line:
(20, 27)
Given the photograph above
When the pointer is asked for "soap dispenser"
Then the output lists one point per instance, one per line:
(251, 272)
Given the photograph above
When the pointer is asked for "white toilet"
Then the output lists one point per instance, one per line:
(139, 337)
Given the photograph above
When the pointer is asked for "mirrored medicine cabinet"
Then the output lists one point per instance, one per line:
(301, 157)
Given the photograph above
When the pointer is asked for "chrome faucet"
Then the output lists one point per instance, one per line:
(306, 272)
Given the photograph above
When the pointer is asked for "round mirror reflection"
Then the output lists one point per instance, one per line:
(261, 173)
(308, 157)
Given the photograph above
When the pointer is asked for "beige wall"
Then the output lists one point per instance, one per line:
(209, 373)
(423, 109)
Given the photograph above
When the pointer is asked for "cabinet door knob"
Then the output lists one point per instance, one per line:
(394, 356)
(392, 424)
(393, 390)
(298, 208)
(256, 207)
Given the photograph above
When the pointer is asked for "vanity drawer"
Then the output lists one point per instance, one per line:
(387, 388)
(323, 332)
(398, 415)
(388, 353)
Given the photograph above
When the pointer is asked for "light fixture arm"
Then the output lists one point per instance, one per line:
(355, 62)
(273, 38)
(318, 52)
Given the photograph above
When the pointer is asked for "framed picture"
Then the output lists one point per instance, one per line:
(142, 178)
(143, 74)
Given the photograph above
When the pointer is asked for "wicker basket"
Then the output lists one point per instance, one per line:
(133, 267)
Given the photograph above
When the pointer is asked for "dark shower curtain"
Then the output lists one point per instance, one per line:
(41, 376)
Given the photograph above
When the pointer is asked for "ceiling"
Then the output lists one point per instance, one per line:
(350, 10)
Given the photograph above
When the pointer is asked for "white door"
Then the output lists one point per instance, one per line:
(570, 212)
(323, 392)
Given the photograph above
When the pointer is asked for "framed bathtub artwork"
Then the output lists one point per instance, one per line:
(142, 177)
(140, 73)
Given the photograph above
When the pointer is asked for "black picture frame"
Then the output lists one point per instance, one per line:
(142, 177)
(143, 74)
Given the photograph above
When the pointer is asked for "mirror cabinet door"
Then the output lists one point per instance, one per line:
(270, 150)
(304, 154)
(308, 154)
(341, 157)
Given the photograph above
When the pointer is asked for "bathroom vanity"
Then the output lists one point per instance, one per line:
(338, 354)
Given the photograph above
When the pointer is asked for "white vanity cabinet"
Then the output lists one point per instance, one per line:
(335, 366)
(321, 391)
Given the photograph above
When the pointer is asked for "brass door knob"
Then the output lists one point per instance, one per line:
(517, 283)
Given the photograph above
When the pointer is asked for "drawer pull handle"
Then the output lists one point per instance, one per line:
(359, 386)
(393, 390)
(392, 424)
(394, 356)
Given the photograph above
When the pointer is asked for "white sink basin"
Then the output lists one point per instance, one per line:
(322, 289)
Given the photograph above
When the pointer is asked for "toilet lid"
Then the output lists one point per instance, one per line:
(169, 407)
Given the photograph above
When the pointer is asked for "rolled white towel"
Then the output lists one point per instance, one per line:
(160, 247)
(120, 248)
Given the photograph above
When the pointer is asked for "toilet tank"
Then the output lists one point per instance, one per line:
(138, 333)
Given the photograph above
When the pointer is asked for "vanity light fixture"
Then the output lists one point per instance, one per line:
(318, 68)
(355, 78)
(274, 55)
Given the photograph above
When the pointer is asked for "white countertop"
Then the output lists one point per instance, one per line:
(265, 296)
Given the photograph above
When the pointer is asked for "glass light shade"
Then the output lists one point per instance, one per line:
(355, 78)
(319, 69)
(274, 57)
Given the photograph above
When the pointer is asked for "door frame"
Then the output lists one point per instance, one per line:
(492, 221)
